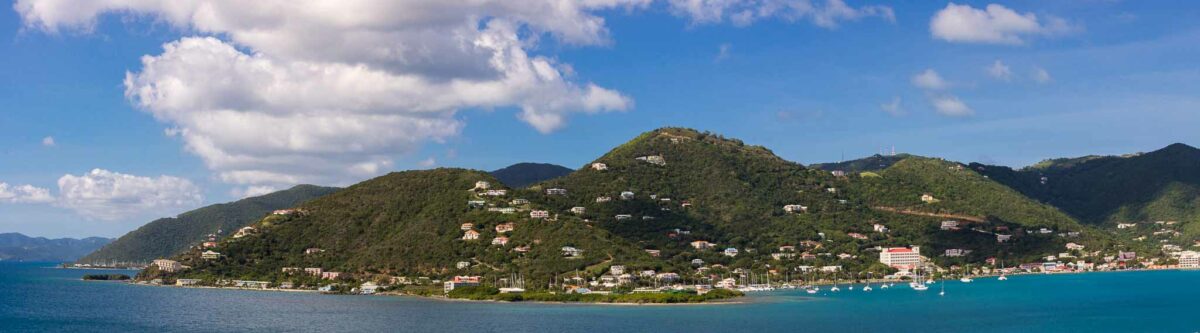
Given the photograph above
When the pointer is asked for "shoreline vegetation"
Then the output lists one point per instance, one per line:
(106, 277)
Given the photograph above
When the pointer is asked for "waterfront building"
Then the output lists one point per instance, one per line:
(186, 282)
(1189, 259)
(169, 266)
(460, 281)
(368, 288)
(901, 257)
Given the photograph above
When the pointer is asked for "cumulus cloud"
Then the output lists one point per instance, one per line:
(950, 105)
(106, 195)
(893, 108)
(275, 92)
(995, 24)
(1040, 75)
(930, 80)
(48, 141)
(428, 162)
(331, 92)
(827, 14)
(937, 91)
(998, 70)
(24, 194)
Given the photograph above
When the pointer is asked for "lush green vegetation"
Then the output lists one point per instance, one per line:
(106, 277)
(523, 174)
(686, 186)
(169, 236)
(1106, 190)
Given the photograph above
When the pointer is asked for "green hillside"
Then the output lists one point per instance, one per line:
(409, 224)
(660, 192)
(1159, 185)
(169, 236)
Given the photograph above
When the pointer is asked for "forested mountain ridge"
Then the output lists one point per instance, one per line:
(523, 174)
(1107, 190)
(166, 237)
(645, 205)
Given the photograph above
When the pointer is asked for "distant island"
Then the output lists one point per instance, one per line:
(681, 216)
(18, 247)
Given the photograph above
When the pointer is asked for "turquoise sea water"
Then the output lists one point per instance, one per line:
(37, 298)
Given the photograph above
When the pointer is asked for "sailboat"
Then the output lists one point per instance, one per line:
(966, 278)
(867, 287)
(943, 292)
(917, 283)
(1002, 277)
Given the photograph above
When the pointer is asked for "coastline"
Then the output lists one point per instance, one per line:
(735, 300)
(745, 299)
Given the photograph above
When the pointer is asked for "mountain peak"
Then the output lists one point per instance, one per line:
(1178, 148)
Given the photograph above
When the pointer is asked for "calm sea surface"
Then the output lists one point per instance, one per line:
(34, 297)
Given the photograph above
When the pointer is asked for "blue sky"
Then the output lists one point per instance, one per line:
(1057, 79)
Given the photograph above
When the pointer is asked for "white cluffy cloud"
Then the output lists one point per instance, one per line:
(48, 141)
(930, 80)
(826, 14)
(278, 92)
(332, 91)
(936, 89)
(950, 105)
(998, 70)
(106, 195)
(995, 24)
(24, 194)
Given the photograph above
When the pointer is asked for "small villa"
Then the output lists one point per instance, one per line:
(578, 210)
(731, 252)
(539, 214)
(210, 255)
(467, 226)
(793, 209)
(702, 244)
(470, 235)
(505, 227)
(556, 191)
(500, 241)
(599, 166)
(568, 251)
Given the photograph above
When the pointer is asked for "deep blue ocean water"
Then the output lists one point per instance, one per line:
(35, 297)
